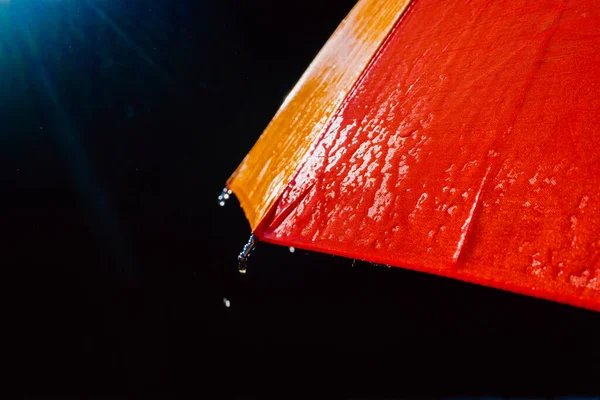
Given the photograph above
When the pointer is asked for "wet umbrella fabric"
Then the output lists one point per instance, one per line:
(467, 146)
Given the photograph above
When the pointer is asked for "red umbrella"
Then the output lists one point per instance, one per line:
(460, 138)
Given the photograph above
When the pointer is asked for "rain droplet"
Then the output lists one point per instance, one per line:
(224, 196)
(533, 180)
(583, 202)
(574, 221)
(226, 302)
(245, 254)
(292, 249)
(407, 132)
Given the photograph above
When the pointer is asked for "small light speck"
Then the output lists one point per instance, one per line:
(226, 302)
(292, 249)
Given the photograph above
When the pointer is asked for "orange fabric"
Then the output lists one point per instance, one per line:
(268, 168)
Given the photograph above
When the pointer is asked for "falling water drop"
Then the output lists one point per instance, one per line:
(226, 302)
(292, 249)
(224, 196)
(245, 254)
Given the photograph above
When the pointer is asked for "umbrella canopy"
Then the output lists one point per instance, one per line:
(460, 138)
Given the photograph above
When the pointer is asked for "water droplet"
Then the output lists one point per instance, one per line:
(533, 180)
(581, 280)
(245, 254)
(226, 302)
(574, 221)
(583, 202)
(407, 132)
(560, 270)
(224, 196)
(292, 249)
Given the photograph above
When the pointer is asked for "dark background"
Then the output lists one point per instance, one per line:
(120, 121)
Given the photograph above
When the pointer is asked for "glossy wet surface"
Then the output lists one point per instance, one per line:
(264, 173)
(470, 148)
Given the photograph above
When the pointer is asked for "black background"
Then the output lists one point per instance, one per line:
(121, 121)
